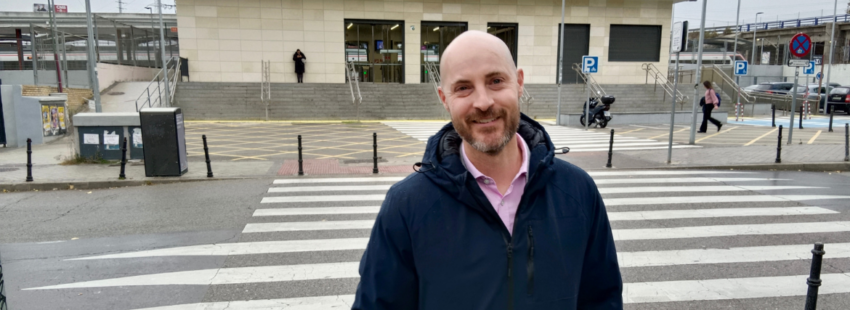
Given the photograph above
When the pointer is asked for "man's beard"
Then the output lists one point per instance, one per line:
(511, 126)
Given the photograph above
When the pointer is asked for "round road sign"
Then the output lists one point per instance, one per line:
(800, 45)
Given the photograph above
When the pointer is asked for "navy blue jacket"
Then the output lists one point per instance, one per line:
(438, 243)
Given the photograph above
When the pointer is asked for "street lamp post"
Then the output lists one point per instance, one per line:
(153, 33)
(755, 31)
(162, 50)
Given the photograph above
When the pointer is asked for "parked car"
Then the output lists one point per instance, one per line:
(776, 88)
(750, 89)
(813, 93)
(839, 99)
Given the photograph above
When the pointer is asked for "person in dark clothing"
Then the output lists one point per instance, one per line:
(491, 220)
(300, 59)
(709, 103)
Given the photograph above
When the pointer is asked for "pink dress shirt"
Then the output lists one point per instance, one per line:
(506, 205)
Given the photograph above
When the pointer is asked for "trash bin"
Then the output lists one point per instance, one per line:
(164, 142)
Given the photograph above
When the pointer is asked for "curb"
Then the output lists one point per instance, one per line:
(72, 185)
(811, 167)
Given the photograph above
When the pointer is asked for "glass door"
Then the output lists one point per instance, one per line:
(435, 37)
(508, 32)
(377, 49)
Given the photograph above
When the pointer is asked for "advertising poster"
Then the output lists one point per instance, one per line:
(39, 7)
(60, 8)
(110, 141)
(62, 118)
(45, 120)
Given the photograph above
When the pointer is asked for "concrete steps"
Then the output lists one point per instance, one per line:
(241, 101)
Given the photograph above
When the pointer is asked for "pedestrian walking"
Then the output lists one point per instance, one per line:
(300, 59)
(491, 220)
(710, 102)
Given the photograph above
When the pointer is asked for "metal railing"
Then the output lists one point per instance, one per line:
(662, 79)
(718, 75)
(266, 85)
(154, 95)
(354, 84)
(526, 99)
(433, 70)
(780, 24)
(589, 80)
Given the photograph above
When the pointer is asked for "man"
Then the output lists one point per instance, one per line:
(492, 220)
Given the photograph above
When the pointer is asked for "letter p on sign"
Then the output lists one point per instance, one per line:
(741, 67)
(589, 64)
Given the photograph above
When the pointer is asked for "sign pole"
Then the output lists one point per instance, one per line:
(793, 103)
(560, 63)
(162, 51)
(831, 52)
(698, 76)
(92, 60)
(587, 103)
(673, 112)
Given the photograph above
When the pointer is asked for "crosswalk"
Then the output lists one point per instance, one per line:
(577, 140)
(660, 219)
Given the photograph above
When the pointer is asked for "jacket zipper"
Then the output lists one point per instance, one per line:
(530, 263)
(510, 250)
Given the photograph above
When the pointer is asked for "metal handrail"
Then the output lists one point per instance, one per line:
(780, 100)
(527, 99)
(665, 83)
(434, 76)
(594, 86)
(354, 84)
(172, 64)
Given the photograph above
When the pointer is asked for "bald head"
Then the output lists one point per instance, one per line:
(472, 44)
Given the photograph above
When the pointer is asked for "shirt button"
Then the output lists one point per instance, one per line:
(502, 203)
(486, 181)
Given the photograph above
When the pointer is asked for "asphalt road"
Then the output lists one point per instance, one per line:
(253, 243)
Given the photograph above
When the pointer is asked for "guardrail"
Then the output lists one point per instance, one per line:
(727, 84)
(660, 78)
(153, 95)
(589, 80)
(526, 99)
(781, 24)
(354, 84)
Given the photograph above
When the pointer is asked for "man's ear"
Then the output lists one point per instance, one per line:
(520, 79)
(443, 97)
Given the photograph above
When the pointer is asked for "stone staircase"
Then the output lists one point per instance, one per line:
(241, 101)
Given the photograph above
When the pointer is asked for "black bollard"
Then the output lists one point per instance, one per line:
(207, 155)
(374, 152)
(846, 142)
(29, 160)
(814, 277)
(801, 118)
(831, 113)
(121, 175)
(779, 147)
(3, 305)
(300, 162)
(773, 115)
(610, 149)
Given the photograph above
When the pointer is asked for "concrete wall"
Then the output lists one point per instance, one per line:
(22, 116)
(79, 78)
(108, 74)
(225, 40)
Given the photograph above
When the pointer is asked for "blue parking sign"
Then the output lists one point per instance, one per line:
(589, 64)
(810, 69)
(741, 67)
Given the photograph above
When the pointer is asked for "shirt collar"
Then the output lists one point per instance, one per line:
(523, 169)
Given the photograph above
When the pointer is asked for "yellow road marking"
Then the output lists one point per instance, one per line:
(667, 134)
(639, 129)
(712, 135)
(812, 140)
(762, 136)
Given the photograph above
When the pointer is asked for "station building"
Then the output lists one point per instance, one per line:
(392, 41)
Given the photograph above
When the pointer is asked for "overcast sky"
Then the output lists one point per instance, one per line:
(97, 6)
(719, 12)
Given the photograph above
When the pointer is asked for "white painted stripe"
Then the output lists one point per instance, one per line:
(245, 248)
(715, 213)
(729, 230)
(659, 172)
(621, 145)
(239, 275)
(574, 150)
(316, 211)
(334, 198)
(619, 234)
(307, 226)
(737, 288)
(680, 180)
(301, 189)
(683, 189)
(726, 256)
(339, 180)
(715, 199)
(301, 303)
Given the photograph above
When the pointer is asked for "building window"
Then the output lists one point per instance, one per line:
(435, 36)
(508, 32)
(635, 43)
(376, 47)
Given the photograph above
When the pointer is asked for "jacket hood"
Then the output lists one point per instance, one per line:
(443, 165)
